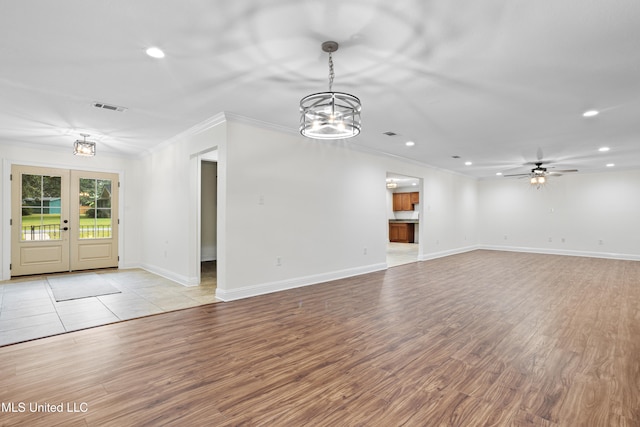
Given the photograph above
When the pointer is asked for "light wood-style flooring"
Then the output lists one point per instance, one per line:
(484, 338)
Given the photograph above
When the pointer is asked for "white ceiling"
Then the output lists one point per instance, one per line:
(498, 82)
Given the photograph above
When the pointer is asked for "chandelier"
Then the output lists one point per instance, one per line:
(330, 115)
(84, 147)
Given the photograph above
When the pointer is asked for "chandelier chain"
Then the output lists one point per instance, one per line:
(332, 75)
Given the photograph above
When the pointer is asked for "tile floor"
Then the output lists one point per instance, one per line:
(401, 253)
(28, 309)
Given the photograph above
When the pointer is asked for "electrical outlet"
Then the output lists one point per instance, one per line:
(505, 237)
(601, 242)
(365, 251)
(562, 240)
(550, 239)
(278, 261)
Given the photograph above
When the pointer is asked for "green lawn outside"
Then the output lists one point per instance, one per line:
(89, 227)
(30, 220)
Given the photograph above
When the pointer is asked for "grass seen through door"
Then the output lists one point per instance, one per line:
(90, 228)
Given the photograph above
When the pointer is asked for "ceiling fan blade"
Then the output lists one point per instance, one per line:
(567, 170)
(518, 174)
(539, 162)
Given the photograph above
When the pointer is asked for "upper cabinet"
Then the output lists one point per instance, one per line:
(405, 201)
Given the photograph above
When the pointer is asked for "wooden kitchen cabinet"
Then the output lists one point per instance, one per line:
(405, 201)
(401, 232)
(402, 202)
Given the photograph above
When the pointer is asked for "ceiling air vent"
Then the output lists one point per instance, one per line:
(109, 107)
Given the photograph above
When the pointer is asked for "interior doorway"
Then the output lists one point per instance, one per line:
(403, 213)
(62, 220)
(208, 217)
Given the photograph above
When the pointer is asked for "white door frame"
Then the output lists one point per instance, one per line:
(5, 215)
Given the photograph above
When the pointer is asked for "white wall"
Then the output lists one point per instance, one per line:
(450, 212)
(319, 209)
(581, 214)
(131, 186)
(298, 211)
(170, 202)
(291, 211)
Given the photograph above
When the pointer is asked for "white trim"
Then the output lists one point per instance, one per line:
(232, 117)
(178, 278)
(194, 130)
(5, 215)
(7, 164)
(441, 254)
(588, 254)
(266, 288)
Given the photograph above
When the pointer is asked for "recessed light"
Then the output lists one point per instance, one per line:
(590, 113)
(468, 163)
(610, 165)
(409, 143)
(499, 173)
(603, 149)
(155, 52)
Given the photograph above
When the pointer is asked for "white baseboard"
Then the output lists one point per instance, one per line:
(179, 278)
(266, 288)
(434, 255)
(588, 254)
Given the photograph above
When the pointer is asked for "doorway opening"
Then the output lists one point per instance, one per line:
(403, 214)
(209, 218)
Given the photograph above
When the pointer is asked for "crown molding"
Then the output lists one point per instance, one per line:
(233, 117)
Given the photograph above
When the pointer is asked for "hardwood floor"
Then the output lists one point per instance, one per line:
(477, 339)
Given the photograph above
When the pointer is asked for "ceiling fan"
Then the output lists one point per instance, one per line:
(538, 175)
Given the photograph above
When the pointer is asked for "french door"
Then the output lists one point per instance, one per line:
(62, 220)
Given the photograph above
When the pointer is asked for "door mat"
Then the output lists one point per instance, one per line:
(76, 286)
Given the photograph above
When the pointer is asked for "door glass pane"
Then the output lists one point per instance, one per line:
(95, 208)
(40, 218)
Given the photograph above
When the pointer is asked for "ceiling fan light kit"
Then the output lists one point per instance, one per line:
(538, 180)
(539, 175)
(330, 115)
